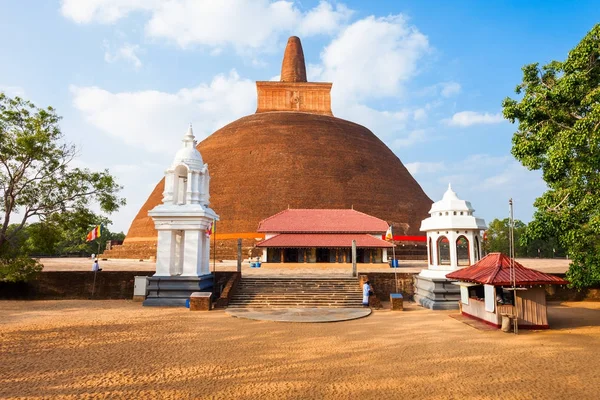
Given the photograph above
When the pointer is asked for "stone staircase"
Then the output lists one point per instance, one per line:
(266, 292)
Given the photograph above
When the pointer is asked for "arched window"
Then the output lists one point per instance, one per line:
(443, 251)
(180, 185)
(477, 254)
(462, 251)
(430, 252)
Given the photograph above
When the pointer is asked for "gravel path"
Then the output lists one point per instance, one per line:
(118, 349)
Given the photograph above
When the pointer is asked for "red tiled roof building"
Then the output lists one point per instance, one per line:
(323, 235)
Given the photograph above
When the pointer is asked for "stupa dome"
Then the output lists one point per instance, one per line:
(293, 153)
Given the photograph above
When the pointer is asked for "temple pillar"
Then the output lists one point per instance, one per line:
(165, 251)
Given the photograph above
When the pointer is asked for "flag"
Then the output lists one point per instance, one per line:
(388, 234)
(95, 233)
(210, 229)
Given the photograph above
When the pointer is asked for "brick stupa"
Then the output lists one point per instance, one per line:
(292, 153)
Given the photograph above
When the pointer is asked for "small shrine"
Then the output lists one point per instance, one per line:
(183, 222)
(453, 242)
(497, 286)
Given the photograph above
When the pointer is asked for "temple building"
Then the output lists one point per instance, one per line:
(293, 153)
(323, 236)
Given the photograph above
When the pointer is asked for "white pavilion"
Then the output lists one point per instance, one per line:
(182, 220)
(453, 242)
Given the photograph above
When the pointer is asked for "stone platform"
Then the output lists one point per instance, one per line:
(305, 315)
(174, 291)
(436, 293)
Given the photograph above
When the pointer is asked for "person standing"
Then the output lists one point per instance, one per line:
(367, 292)
(96, 266)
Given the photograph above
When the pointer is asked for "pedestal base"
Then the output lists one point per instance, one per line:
(436, 293)
(174, 291)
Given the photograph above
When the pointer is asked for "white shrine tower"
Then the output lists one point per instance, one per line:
(453, 242)
(182, 221)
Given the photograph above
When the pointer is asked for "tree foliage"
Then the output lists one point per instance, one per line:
(497, 240)
(36, 180)
(559, 133)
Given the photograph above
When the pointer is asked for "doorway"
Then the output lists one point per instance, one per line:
(322, 255)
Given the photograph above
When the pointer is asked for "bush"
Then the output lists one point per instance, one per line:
(19, 269)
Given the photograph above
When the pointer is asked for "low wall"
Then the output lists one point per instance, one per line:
(74, 285)
(119, 285)
(384, 283)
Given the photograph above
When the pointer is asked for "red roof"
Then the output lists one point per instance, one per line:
(322, 240)
(323, 221)
(494, 269)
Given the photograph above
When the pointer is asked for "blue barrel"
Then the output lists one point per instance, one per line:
(393, 263)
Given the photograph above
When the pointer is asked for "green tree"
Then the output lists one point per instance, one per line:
(497, 237)
(559, 133)
(36, 179)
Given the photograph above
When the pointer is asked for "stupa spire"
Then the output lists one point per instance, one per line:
(293, 68)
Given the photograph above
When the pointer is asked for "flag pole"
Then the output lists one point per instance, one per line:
(394, 260)
(214, 245)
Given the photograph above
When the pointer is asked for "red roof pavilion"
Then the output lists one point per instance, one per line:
(322, 221)
(494, 269)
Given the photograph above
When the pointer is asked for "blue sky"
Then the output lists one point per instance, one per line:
(427, 77)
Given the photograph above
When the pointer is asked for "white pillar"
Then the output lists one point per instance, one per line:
(384, 256)
(168, 191)
(205, 269)
(193, 253)
(264, 255)
(453, 255)
(165, 252)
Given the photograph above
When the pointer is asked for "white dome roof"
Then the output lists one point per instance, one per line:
(188, 155)
(452, 213)
(451, 202)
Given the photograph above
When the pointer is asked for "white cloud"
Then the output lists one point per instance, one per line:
(414, 136)
(324, 19)
(450, 89)
(419, 114)
(103, 11)
(243, 24)
(127, 52)
(151, 119)
(486, 180)
(373, 57)
(469, 118)
(12, 91)
(417, 168)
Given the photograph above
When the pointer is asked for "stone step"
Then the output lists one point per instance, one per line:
(294, 305)
(297, 292)
(316, 297)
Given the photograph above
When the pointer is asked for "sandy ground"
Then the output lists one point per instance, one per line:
(118, 349)
(82, 264)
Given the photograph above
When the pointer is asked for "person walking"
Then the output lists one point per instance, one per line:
(367, 292)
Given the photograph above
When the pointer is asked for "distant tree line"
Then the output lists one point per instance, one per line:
(497, 240)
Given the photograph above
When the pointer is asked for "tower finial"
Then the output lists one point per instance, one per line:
(293, 68)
